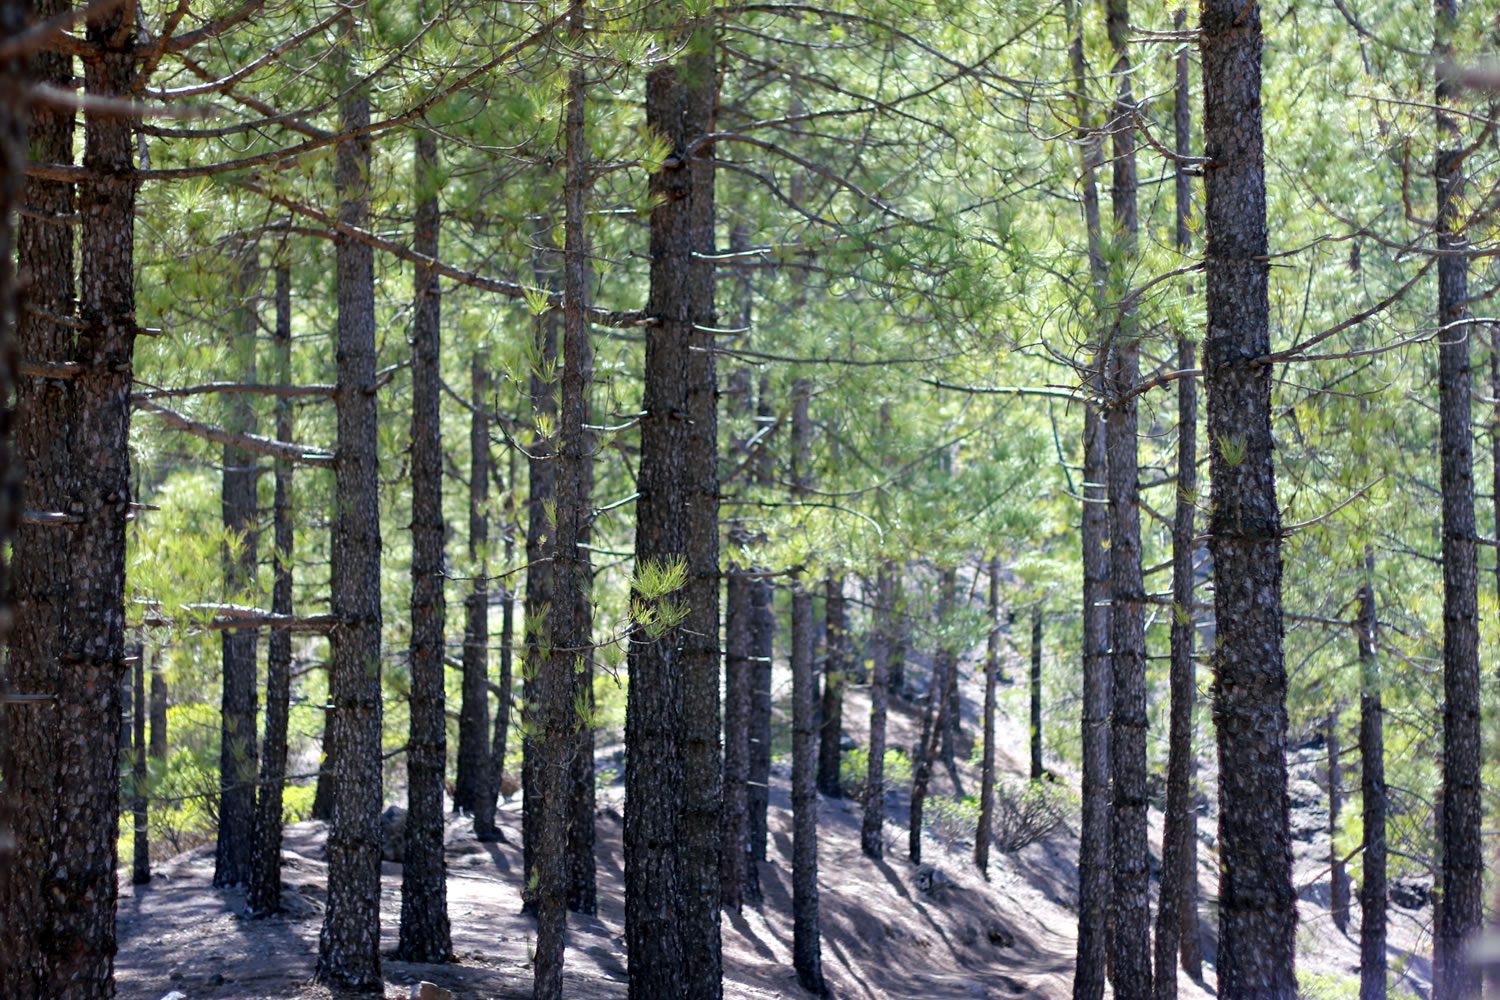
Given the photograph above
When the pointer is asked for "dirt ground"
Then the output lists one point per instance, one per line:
(1010, 936)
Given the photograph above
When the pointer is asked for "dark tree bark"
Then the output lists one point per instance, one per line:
(565, 870)
(349, 944)
(1094, 873)
(1338, 875)
(1184, 667)
(736, 863)
(471, 791)
(573, 609)
(762, 651)
(64, 760)
(900, 638)
(485, 772)
(14, 83)
(238, 758)
(1257, 905)
(1372, 889)
(982, 830)
(1130, 952)
(1177, 915)
(322, 807)
(32, 759)
(1036, 694)
(140, 868)
(1462, 900)
(933, 719)
(424, 933)
(807, 944)
(872, 826)
(263, 894)
(542, 469)
(672, 790)
(835, 676)
(160, 699)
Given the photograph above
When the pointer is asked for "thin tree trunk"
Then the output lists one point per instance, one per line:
(736, 862)
(477, 777)
(140, 869)
(263, 894)
(762, 652)
(160, 698)
(1036, 693)
(835, 676)
(1130, 955)
(322, 807)
(982, 830)
(1094, 872)
(31, 756)
(933, 719)
(900, 637)
(1372, 888)
(1177, 917)
(1463, 858)
(424, 933)
(470, 784)
(349, 945)
(872, 827)
(539, 586)
(1257, 905)
(1338, 880)
(238, 758)
(1184, 666)
(807, 944)
(573, 567)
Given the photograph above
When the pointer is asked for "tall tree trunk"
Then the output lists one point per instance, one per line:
(807, 944)
(159, 702)
(1094, 872)
(263, 894)
(1177, 917)
(1372, 888)
(424, 933)
(1130, 955)
(238, 759)
(1338, 875)
(762, 653)
(349, 945)
(983, 829)
(140, 869)
(835, 676)
(736, 863)
(1257, 905)
(560, 878)
(476, 763)
(33, 760)
(322, 806)
(1463, 858)
(933, 720)
(470, 782)
(1177, 922)
(573, 566)
(872, 827)
(900, 637)
(75, 838)
(1036, 693)
(672, 791)
(542, 470)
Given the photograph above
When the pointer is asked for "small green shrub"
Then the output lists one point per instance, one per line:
(854, 767)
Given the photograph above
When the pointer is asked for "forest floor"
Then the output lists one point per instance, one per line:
(883, 936)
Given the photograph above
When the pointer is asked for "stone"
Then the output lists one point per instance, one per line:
(999, 936)
(393, 835)
(429, 991)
